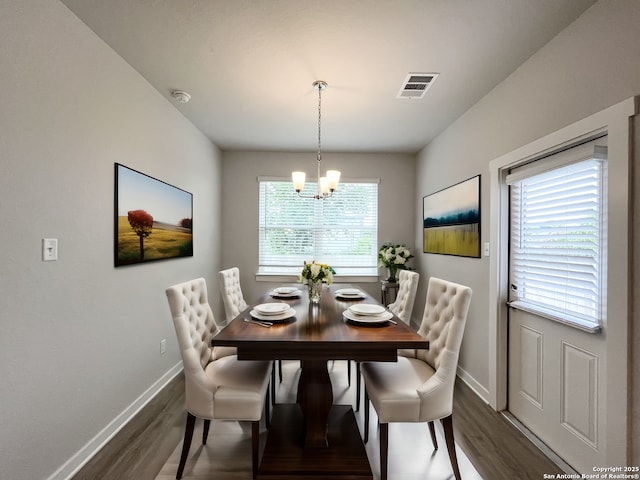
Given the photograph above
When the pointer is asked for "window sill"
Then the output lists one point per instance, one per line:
(568, 320)
(288, 278)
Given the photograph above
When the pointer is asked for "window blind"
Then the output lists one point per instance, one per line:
(558, 225)
(340, 231)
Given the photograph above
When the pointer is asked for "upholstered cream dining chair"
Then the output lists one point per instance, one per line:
(402, 307)
(218, 386)
(419, 388)
(234, 302)
(231, 292)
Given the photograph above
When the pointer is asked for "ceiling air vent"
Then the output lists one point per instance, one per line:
(416, 85)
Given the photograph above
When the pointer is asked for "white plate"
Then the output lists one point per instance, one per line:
(286, 290)
(294, 293)
(271, 308)
(367, 320)
(273, 318)
(367, 309)
(350, 293)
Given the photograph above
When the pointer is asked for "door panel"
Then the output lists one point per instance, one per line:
(579, 407)
(531, 370)
(554, 386)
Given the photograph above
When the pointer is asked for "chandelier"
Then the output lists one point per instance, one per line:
(328, 184)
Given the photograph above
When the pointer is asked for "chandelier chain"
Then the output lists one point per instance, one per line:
(319, 121)
(326, 185)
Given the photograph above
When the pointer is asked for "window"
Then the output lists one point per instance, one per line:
(558, 225)
(341, 231)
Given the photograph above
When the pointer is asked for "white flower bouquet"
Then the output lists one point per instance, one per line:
(394, 258)
(315, 272)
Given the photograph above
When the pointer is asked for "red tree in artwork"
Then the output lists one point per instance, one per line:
(185, 223)
(141, 222)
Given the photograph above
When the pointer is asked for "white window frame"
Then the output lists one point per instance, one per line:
(274, 272)
(538, 281)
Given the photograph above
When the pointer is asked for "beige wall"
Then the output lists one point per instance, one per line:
(80, 339)
(240, 171)
(591, 65)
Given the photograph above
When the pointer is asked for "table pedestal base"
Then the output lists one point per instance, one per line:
(285, 458)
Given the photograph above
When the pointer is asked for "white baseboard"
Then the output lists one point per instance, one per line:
(479, 390)
(77, 461)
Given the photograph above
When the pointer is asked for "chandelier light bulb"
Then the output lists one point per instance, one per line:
(298, 180)
(333, 177)
(324, 185)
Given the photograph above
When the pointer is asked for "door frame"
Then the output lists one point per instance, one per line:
(615, 122)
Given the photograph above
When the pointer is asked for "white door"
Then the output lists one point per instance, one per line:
(556, 349)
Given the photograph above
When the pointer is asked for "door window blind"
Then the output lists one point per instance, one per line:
(340, 231)
(558, 225)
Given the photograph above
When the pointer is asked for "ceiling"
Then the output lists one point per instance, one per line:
(249, 65)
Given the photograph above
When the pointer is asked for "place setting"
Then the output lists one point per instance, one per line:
(286, 292)
(267, 314)
(368, 315)
(350, 294)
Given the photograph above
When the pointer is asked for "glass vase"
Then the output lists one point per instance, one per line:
(392, 274)
(315, 289)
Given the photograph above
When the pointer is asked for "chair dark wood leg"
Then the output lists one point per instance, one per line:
(366, 416)
(273, 382)
(267, 411)
(384, 450)
(255, 440)
(205, 431)
(280, 369)
(447, 423)
(186, 444)
(349, 372)
(432, 431)
(358, 381)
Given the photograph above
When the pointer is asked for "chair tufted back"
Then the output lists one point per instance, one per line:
(231, 292)
(193, 319)
(406, 297)
(195, 326)
(445, 315)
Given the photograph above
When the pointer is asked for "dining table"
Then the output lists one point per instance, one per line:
(314, 438)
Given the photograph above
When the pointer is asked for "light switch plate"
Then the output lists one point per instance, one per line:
(486, 249)
(49, 249)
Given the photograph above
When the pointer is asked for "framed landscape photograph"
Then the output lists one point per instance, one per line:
(153, 220)
(451, 220)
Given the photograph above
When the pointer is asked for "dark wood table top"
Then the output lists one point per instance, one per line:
(318, 332)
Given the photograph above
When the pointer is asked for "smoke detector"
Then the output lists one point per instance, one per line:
(416, 85)
(180, 96)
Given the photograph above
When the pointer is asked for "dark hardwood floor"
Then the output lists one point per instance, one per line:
(141, 448)
(496, 448)
(493, 446)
